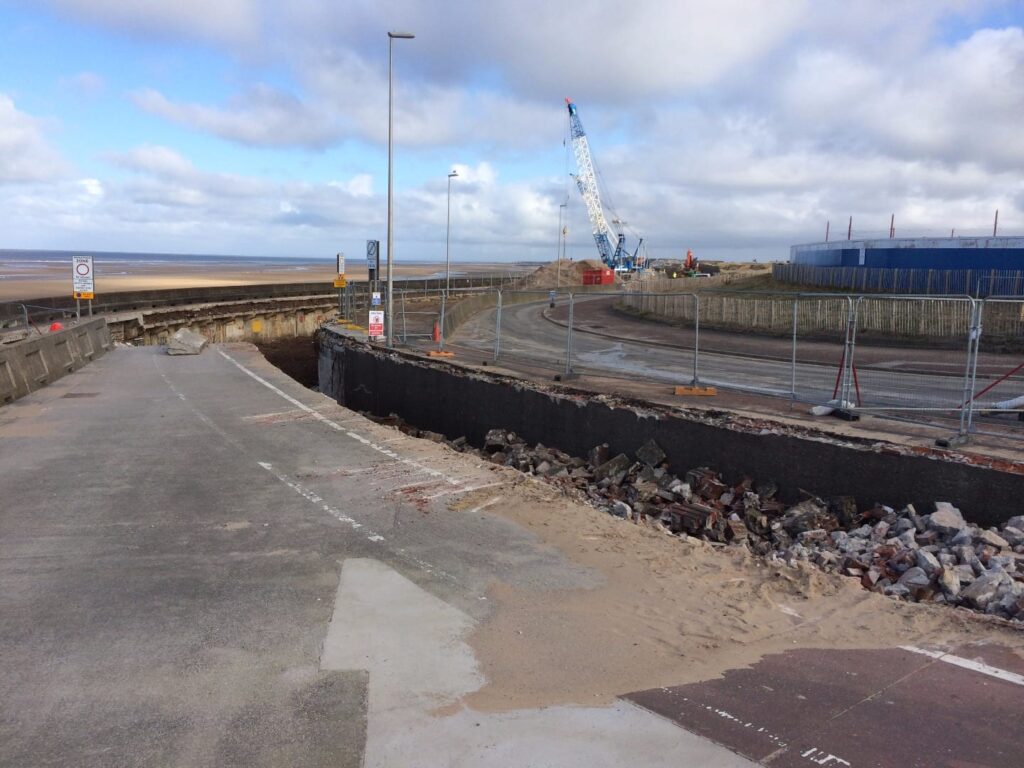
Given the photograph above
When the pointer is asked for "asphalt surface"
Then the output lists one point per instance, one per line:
(205, 564)
(893, 380)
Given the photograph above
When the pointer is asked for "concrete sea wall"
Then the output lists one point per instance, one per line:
(31, 364)
(454, 401)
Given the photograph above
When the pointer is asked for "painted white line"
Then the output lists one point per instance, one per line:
(974, 666)
(334, 425)
(313, 497)
(467, 489)
(486, 504)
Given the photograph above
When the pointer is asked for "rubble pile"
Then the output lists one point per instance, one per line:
(937, 557)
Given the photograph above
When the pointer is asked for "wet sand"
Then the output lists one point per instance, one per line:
(55, 280)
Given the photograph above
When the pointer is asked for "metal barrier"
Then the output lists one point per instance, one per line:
(17, 315)
(911, 358)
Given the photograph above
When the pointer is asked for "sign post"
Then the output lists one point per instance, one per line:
(82, 282)
(339, 281)
(372, 260)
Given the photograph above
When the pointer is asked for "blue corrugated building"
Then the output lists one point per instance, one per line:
(915, 253)
(979, 266)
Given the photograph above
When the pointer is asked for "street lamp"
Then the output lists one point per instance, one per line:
(561, 239)
(448, 237)
(392, 36)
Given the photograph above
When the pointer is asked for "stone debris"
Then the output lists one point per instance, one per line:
(186, 342)
(934, 557)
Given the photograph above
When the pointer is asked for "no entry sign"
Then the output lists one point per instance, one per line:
(82, 282)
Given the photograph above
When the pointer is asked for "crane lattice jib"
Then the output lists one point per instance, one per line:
(586, 180)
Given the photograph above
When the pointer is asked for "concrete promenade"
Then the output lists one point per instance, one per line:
(205, 564)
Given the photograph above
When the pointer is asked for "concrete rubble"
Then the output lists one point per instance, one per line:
(935, 557)
(186, 342)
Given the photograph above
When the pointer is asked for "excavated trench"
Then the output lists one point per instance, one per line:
(295, 356)
(457, 402)
(872, 511)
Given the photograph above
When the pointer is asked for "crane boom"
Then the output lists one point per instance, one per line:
(586, 180)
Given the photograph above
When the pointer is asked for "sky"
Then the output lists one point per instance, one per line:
(731, 127)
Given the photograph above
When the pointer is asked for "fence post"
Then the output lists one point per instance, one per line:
(444, 297)
(497, 329)
(851, 332)
(974, 365)
(405, 327)
(568, 341)
(792, 364)
(967, 399)
(696, 338)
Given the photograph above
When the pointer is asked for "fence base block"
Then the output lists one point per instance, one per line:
(696, 391)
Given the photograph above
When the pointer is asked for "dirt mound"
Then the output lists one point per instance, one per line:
(552, 275)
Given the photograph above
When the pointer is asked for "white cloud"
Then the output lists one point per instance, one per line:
(85, 83)
(735, 124)
(25, 155)
(234, 21)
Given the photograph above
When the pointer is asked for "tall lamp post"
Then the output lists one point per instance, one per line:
(392, 36)
(448, 238)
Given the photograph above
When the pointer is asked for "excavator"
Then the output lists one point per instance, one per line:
(689, 268)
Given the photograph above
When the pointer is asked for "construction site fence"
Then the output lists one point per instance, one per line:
(971, 282)
(822, 315)
(842, 351)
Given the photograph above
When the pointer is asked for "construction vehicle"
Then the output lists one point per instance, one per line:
(615, 257)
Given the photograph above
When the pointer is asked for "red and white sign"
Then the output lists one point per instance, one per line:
(82, 277)
(375, 328)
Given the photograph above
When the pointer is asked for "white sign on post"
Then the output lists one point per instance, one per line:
(341, 264)
(375, 299)
(82, 277)
(375, 328)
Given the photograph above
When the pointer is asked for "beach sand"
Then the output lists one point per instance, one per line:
(55, 280)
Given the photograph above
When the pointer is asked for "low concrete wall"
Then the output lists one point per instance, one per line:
(123, 301)
(255, 320)
(453, 401)
(28, 365)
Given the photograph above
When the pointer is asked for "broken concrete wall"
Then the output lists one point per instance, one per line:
(455, 402)
(28, 365)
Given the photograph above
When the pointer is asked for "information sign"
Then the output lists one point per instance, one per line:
(82, 277)
(375, 298)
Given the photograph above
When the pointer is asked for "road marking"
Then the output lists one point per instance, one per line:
(974, 666)
(486, 504)
(334, 425)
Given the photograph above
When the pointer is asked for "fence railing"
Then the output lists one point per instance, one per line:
(971, 282)
(841, 351)
(18, 316)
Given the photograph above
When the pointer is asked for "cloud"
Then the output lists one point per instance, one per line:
(25, 155)
(85, 84)
(737, 126)
(262, 116)
(232, 21)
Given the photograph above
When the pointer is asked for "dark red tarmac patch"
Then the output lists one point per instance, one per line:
(863, 709)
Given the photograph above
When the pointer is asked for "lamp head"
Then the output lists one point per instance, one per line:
(401, 35)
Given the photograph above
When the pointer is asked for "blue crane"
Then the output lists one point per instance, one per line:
(616, 257)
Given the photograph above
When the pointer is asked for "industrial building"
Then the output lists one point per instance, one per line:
(1001, 253)
(978, 266)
